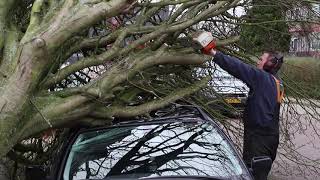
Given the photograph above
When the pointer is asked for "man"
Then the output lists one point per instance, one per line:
(261, 115)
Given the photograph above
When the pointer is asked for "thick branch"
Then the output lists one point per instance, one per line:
(5, 6)
(54, 112)
(86, 16)
(118, 75)
(131, 111)
(35, 15)
(72, 19)
(9, 62)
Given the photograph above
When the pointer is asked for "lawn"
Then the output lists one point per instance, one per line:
(302, 77)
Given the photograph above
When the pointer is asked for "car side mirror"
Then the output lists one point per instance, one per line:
(35, 172)
(260, 166)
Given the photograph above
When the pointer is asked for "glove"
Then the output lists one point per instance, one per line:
(205, 40)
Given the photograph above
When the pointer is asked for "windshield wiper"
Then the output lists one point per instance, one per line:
(187, 177)
(165, 177)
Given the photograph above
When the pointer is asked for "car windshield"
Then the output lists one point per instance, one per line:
(169, 149)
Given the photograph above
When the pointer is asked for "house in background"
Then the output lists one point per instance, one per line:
(305, 41)
(305, 37)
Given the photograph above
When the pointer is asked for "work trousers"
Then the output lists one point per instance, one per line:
(256, 145)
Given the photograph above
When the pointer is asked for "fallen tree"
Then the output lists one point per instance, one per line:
(65, 62)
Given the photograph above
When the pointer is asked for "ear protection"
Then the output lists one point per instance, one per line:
(277, 59)
(274, 63)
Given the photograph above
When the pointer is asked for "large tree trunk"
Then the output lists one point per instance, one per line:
(23, 69)
(15, 95)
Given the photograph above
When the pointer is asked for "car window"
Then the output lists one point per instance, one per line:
(224, 83)
(170, 149)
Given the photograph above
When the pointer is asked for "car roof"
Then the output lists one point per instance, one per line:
(182, 112)
(168, 114)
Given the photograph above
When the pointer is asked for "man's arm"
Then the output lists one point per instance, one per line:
(236, 68)
(233, 66)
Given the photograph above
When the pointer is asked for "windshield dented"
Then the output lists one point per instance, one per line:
(183, 149)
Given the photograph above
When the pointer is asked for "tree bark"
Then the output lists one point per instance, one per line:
(15, 94)
(33, 59)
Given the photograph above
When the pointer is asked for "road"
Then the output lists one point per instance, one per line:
(298, 156)
(304, 132)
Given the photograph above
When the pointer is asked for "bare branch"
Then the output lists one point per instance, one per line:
(91, 43)
(108, 55)
(35, 15)
(10, 48)
(70, 21)
(5, 7)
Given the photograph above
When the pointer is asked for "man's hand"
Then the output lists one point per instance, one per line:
(213, 52)
(206, 41)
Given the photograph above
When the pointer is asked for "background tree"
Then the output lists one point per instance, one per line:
(268, 28)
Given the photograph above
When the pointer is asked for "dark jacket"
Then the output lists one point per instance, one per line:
(261, 114)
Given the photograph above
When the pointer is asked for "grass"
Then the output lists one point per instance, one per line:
(303, 75)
